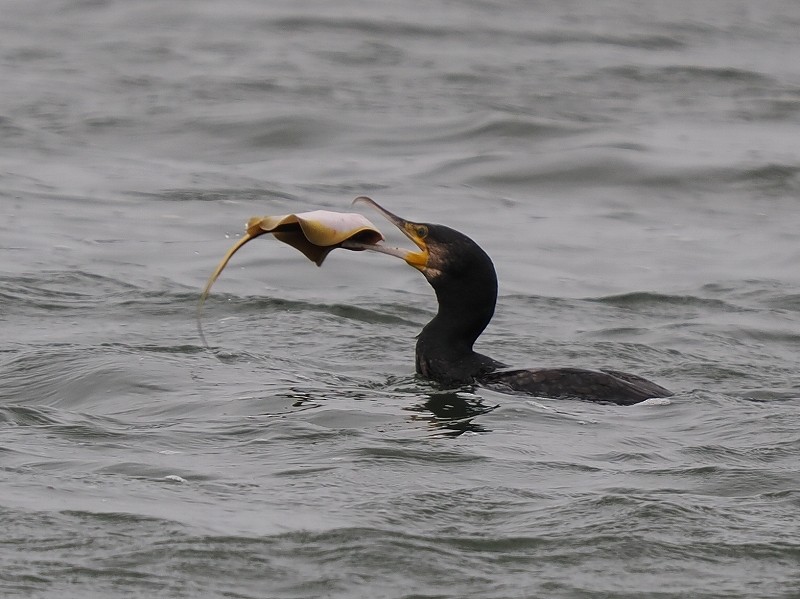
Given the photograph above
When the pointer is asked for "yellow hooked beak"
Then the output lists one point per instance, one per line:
(414, 231)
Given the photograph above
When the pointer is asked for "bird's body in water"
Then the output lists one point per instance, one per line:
(464, 280)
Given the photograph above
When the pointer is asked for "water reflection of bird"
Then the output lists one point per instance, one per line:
(452, 413)
(464, 279)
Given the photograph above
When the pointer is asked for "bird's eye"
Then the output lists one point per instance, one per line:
(421, 231)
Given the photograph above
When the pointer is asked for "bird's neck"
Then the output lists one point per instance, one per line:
(444, 347)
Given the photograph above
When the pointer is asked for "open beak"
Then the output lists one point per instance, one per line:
(414, 231)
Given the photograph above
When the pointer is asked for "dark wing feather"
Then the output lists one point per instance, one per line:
(593, 385)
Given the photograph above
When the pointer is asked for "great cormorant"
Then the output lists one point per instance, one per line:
(465, 282)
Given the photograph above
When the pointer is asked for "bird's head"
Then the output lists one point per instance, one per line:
(443, 253)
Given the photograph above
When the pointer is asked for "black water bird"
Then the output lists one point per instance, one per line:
(465, 282)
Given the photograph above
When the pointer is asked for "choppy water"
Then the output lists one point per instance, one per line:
(633, 169)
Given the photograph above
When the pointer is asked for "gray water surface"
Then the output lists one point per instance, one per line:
(632, 168)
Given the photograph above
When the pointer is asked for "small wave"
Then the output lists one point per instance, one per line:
(389, 314)
(790, 302)
(78, 291)
(9, 129)
(215, 195)
(593, 166)
(633, 40)
(782, 451)
(307, 23)
(56, 290)
(367, 53)
(406, 455)
(27, 416)
(499, 127)
(183, 349)
(279, 132)
(771, 178)
(70, 376)
(640, 300)
(671, 74)
(471, 30)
